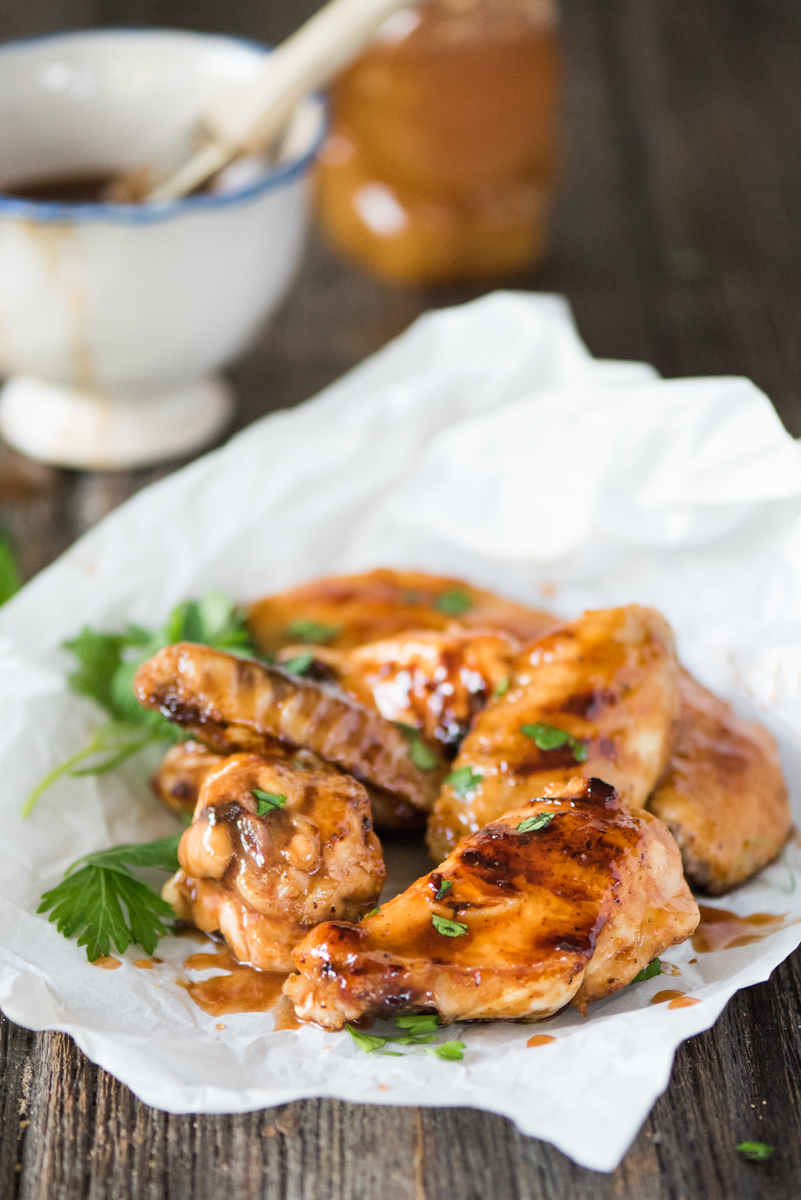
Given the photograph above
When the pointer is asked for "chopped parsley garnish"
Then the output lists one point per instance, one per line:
(464, 780)
(100, 901)
(419, 752)
(448, 928)
(454, 603)
(422, 1029)
(502, 687)
(444, 888)
(366, 1041)
(756, 1151)
(312, 631)
(267, 802)
(106, 665)
(10, 578)
(538, 821)
(653, 969)
(548, 737)
(450, 1051)
(372, 913)
(298, 665)
(419, 1023)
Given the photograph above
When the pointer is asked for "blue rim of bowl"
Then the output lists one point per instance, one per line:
(145, 214)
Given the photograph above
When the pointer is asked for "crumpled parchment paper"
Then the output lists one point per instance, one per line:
(485, 442)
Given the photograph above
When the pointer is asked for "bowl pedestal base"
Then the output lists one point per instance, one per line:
(90, 431)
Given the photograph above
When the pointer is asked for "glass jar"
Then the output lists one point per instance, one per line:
(441, 158)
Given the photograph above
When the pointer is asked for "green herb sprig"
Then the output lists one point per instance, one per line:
(653, 969)
(419, 752)
(106, 665)
(756, 1151)
(548, 737)
(267, 802)
(447, 927)
(538, 821)
(464, 780)
(311, 631)
(421, 1029)
(100, 901)
(10, 578)
(454, 603)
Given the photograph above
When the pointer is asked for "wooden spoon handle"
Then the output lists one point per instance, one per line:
(249, 120)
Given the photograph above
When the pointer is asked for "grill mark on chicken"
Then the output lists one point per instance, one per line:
(234, 704)
(566, 913)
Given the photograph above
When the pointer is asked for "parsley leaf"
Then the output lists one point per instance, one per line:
(444, 888)
(298, 665)
(312, 631)
(464, 780)
(372, 913)
(653, 969)
(756, 1151)
(366, 1041)
(448, 928)
(267, 802)
(420, 1023)
(502, 687)
(538, 821)
(106, 665)
(454, 603)
(548, 737)
(452, 1051)
(419, 752)
(10, 578)
(101, 901)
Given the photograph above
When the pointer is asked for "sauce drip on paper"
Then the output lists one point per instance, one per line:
(242, 989)
(722, 930)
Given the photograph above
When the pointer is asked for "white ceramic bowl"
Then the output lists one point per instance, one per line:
(114, 318)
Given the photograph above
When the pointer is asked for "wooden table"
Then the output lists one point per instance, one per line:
(678, 241)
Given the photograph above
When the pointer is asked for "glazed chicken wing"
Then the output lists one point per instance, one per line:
(562, 901)
(597, 697)
(348, 610)
(272, 851)
(233, 704)
(435, 681)
(724, 798)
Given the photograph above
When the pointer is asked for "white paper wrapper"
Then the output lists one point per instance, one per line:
(485, 442)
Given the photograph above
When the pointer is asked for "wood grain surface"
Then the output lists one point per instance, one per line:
(678, 241)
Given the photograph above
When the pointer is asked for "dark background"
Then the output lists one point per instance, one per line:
(676, 239)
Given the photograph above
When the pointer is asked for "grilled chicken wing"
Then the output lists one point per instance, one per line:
(597, 697)
(435, 681)
(273, 850)
(347, 610)
(537, 914)
(724, 798)
(233, 704)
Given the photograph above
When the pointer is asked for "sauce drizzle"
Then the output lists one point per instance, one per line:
(723, 930)
(540, 1039)
(242, 989)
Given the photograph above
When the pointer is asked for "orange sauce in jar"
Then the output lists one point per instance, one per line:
(441, 158)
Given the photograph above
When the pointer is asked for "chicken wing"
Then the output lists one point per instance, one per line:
(724, 798)
(562, 901)
(346, 610)
(273, 850)
(233, 704)
(432, 680)
(597, 697)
